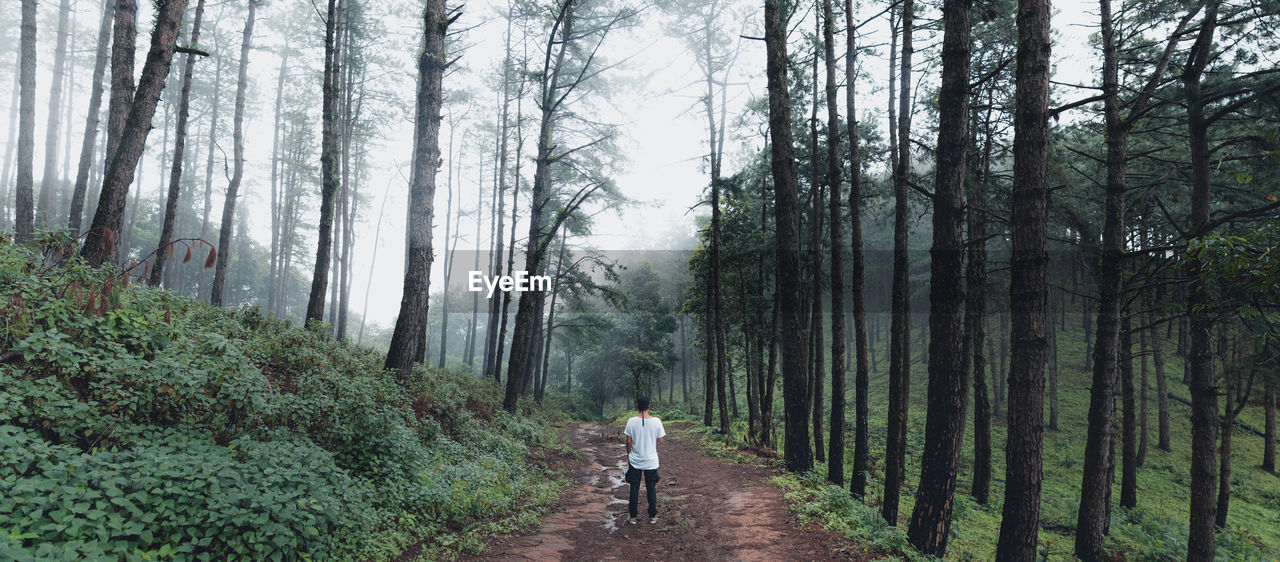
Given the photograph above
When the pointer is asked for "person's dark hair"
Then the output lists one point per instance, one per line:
(642, 404)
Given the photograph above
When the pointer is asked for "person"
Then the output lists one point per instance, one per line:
(643, 432)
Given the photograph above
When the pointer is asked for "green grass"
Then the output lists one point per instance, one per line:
(1155, 530)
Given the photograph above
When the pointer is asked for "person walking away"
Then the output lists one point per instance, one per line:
(643, 432)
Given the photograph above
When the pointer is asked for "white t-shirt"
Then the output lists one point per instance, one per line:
(644, 442)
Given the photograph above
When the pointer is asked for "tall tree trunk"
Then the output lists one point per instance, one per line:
(1095, 488)
(1162, 388)
(522, 342)
(944, 422)
(44, 207)
(858, 479)
(1020, 522)
(179, 148)
(1204, 391)
(208, 168)
(900, 335)
(511, 243)
(24, 208)
(411, 323)
(1231, 378)
(274, 275)
(714, 281)
(816, 362)
(475, 266)
(123, 161)
(835, 457)
(237, 165)
(1269, 424)
(976, 320)
(491, 359)
(1129, 422)
(796, 452)
(684, 364)
(329, 174)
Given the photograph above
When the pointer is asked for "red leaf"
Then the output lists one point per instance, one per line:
(213, 257)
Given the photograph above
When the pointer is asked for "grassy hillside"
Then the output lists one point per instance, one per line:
(138, 424)
(1156, 530)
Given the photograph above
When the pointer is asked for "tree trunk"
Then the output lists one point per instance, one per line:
(329, 177)
(491, 358)
(976, 321)
(1231, 377)
(858, 479)
(1269, 421)
(1143, 346)
(835, 457)
(1053, 372)
(796, 454)
(1092, 517)
(237, 166)
(1020, 522)
(1162, 390)
(449, 226)
(276, 165)
(1129, 423)
(475, 266)
(518, 368)
(944, 423)
(411, 323)
(179, 148)
(899, 331)
(1204, 391)
(44, 207)
(123, 161)
(24, 218)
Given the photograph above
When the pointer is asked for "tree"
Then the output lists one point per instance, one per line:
(411, 324)
(328, 164)
(835, 458)
(1020, 518)
(237, 166)
(577, 31)
(50, 177)
(24, 208)
(87, 147)
(858, 480)
(944, 423)
(179, 151)
(123, 155)
(900, 328)
(796, 452)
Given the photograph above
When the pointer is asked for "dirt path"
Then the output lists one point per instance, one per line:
(708, 509)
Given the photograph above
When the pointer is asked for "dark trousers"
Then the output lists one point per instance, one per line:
(651, 490)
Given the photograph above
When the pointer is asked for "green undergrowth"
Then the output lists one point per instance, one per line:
(1155, 530)
(139, 424)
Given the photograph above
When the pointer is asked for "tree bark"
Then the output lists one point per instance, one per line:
(44, 207)
(1020, 522)
(24, 208)
(179, 151)
(89, 146)
(237, 165)
(944, 423)
(976, 320)
(276, 212)
(835, 457)
(858, 479)
(411, 323)
(1231, 377)
(1204, 388)
(518, 368)
(1269, 421)
(329, 172)
(900, 330)
(796, 452)
(123, 161)
(1129, 422)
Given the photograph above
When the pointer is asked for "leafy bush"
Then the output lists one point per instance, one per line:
(138, 424)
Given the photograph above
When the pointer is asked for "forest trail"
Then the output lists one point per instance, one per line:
(708, 509)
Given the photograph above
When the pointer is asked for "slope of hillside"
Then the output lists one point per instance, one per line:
(136, 423)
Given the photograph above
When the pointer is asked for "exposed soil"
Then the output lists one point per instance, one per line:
(708, 509)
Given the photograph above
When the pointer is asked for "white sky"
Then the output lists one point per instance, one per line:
(664, 138)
